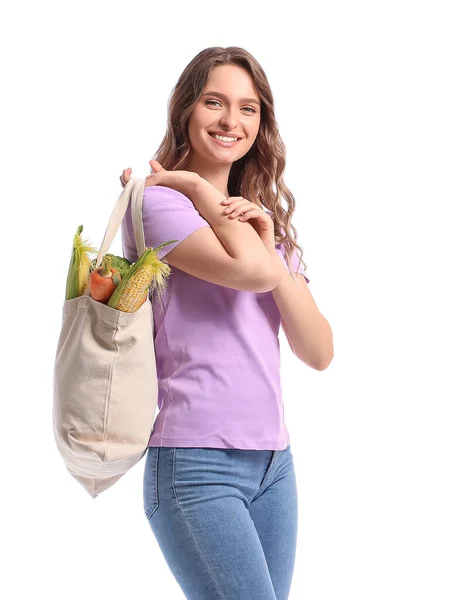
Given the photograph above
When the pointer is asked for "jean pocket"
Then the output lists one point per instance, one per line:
(151, 496)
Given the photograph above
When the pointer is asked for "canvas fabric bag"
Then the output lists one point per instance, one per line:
(105, 380)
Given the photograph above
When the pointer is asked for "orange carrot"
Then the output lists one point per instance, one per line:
(103, 281)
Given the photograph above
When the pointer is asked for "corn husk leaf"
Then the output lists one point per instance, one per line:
(80, 266)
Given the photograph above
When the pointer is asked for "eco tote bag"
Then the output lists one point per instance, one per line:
(105, 380)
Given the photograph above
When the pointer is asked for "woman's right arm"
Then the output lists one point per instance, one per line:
(228, 253)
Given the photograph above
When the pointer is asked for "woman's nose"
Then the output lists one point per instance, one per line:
(230, 120)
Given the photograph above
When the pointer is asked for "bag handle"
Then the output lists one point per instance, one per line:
(134, 190)
(137, 200)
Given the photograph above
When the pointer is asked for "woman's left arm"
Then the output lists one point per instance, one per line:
(308, 332)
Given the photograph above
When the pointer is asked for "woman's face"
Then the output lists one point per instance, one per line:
(225, 106)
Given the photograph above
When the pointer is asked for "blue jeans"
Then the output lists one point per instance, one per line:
(225, 519)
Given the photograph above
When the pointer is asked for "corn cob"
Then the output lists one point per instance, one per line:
(80, 266)
(148, 273)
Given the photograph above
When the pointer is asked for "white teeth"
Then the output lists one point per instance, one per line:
(224, 139)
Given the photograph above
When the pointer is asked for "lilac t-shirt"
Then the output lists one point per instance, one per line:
(217, 349)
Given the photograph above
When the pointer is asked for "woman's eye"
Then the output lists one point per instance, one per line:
(216, 102)
(211, 102)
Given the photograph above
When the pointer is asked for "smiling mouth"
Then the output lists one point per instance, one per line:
(222, 143)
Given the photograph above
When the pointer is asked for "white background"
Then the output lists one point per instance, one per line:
(362, 100)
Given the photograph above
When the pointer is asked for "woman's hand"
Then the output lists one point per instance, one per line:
(125, 177)
(181, 181)
(244, 210)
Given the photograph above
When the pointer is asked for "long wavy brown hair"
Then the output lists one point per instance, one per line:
(257, 176)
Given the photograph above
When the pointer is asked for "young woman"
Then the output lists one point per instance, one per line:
(219, 486)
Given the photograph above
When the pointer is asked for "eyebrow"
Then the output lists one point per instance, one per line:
(224, 96)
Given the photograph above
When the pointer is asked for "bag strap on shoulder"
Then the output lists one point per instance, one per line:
(134, 190)
(137, 199)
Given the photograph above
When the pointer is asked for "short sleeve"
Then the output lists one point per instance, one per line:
(167, 215)
(295, 263)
